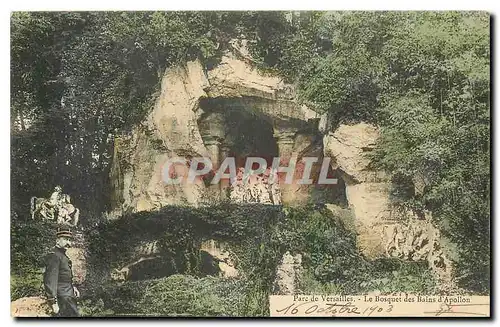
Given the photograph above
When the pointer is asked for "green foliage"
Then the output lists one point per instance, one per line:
(332, 263)
(326, 246)
(442, 138)
(80, 78)
(94, 307)
(393, 275)
(176, 295)
(27, 284)
(258, 235)
(180, 231)
(424, 78)
(30, 242)
(414, 278)
(209, 296)
(331, 58)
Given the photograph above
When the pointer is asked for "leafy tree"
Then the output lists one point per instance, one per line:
(424, 78)
(80, 78)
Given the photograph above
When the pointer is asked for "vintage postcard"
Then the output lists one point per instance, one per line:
(250, 164)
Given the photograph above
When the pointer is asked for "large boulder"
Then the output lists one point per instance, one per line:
(34, 306)
(367, 191)
(222, 257)
(348, 146)
(287, 274)
(79, 264)
(382, 230)
(170, 130)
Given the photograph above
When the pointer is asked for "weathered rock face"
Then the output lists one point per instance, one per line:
(197, 115)
(381, 231)
(79, 264)
(286, 274)
(185, 122)
(144, 252)
(235, 78)
(170, 130)
(222, 256)
(367, 191)
(348, 147)
(419, 240)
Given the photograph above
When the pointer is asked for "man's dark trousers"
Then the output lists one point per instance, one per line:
(67, 306)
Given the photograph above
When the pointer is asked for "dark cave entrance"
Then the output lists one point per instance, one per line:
(242, 129)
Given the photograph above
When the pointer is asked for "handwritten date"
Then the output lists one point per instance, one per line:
(332, 309)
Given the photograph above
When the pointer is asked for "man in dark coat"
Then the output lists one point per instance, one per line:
(58, 278)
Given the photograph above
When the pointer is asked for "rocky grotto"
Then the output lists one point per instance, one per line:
(235, 110)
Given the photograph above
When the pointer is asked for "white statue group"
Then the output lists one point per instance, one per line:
(256, 190)
(57, 208)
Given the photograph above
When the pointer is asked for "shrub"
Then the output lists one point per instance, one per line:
(176, 295)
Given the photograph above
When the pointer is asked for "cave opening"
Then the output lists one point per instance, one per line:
(252, 127)
(252, 136)
(242, 131)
